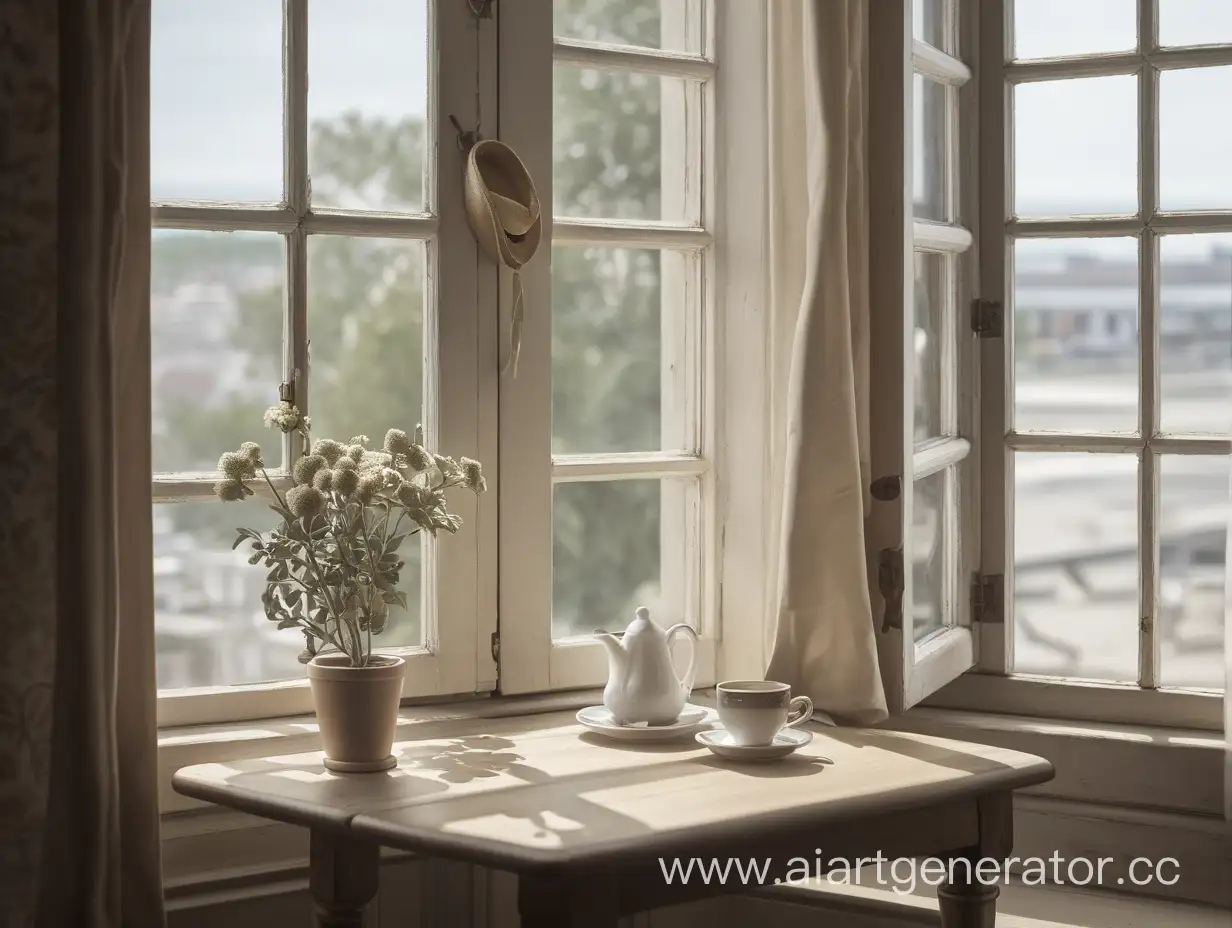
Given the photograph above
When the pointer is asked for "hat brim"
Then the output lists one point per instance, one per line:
(492, 167)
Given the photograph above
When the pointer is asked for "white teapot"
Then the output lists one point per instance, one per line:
(642, 684)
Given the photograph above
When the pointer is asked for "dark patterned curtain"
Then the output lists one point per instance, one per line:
(78, 746)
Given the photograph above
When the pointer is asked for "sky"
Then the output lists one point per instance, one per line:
(216, 97)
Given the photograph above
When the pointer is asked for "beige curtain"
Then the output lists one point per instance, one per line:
(824, 643)
(79, 841)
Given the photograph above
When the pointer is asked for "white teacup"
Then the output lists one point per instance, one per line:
(754, 711)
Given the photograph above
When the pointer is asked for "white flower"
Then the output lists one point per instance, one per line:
(234, 466)
(285, 417)
(252, 451)
(305, 501)
(396, 442)
(345, 464)
(329, 449)
(306, 468)
(323, 479)
(345, 481)
(419, 458)
(355, 451)
(472, 475)
(230, 491)
(369, 486)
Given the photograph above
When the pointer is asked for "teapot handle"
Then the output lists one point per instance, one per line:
(690, 672)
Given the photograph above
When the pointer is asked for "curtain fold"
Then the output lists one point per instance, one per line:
(78, 733)
(824, 643)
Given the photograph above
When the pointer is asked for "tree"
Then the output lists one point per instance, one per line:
(366, 320)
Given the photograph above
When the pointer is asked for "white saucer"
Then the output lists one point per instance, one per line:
(692, 720)
(719, 740)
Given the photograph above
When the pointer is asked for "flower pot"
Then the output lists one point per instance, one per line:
(357, 710)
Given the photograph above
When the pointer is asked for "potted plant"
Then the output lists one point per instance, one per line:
(333, 566)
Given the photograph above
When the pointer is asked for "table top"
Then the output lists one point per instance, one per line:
(539, 789)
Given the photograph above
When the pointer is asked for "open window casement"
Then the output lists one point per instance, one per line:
(921, 529)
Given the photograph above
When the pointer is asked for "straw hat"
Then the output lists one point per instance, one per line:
(503, 210)
(501, 204)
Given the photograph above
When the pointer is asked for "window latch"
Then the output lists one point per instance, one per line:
(988, 319)
(988, 598)
(890, 584)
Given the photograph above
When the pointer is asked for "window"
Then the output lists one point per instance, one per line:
(607, 478)
(1106, 233)
(921, 397)
(305, 235)
(309, 237)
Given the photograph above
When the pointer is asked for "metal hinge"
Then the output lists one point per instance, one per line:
(890, 584)
(988, 598)
(496, 647)
(988, 319)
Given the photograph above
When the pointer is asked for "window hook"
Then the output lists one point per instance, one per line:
(481, 8)
(466, 137)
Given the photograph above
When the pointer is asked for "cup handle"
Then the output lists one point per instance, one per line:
(690, 672)
(804, 706)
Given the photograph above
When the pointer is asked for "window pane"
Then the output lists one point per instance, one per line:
(1075, 147)
(610, 157)
(1076, 565)
(366, 325)
(1195, 333)
(605, 555)
(216, 316)
(1076, 335)
(1090, 27)
(930, 593)
(367, 96)
(928, 23)
(1194, 22)
(215, 78)
(210, 629)
(612, 379)
(930, 181)
(1194, 149)
(1193, 511)
(669, 24)
(931, 288)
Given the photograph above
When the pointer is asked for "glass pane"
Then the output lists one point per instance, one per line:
(367, 96)
(610, 158)
(608, 347)
(366, 325)
(1090, 27)
(210, 629)
(216, 315)
(931, 287)
(215, 78)
(1194, 22)
(1075, 147)
(1195, 333)
(1076, 335)
(1193, 552)
(605, 555)
(928, 23)
(1194, 149)
(930, 595)
(668, 24)
(929, 117)
(1076, 565)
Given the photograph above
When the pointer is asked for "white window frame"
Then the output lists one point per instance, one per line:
(995, 688)
(723, 599)
(913, 670)
(459, 601)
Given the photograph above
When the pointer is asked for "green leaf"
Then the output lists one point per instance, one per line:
(255, 557)
(288, 622)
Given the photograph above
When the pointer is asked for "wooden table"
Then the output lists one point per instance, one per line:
(585, 822)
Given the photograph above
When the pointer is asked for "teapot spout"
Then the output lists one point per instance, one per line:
(617, 658)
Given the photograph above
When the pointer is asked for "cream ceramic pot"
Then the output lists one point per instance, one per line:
(357, 710)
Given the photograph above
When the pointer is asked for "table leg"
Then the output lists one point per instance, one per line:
(965, 900)
(966, 904)
(342, 876)
(572, 901)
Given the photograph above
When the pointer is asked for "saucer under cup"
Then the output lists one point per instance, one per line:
(755, 712)
(785, 742)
